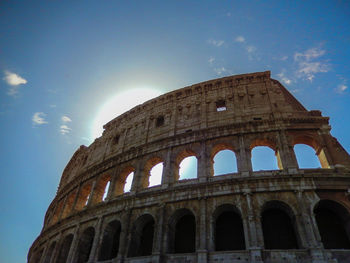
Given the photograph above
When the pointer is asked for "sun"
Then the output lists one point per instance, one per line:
(118, 104)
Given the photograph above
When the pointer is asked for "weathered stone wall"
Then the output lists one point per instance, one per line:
(258, 111)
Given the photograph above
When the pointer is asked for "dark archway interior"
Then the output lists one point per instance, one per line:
(110, 241)
(85, 244)
(142, 237)
(278, 230)
(229, 233)
(332, 229)
(49, 253)
(185, 234)
(64, 250)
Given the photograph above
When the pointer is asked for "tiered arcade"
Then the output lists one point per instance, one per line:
(283, 215)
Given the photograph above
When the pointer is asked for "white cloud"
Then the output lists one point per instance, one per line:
(217, 43)
(220, 71)
(211, 60)
(66, 119)
(39, 118)
(13, 79)
(240, 39)
(284, 79)
(284, 58)
(250, 49)
(64, 129)
(342, 88)
(308, 67)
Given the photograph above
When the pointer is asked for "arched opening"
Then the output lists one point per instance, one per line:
(142, 237)
(188, 168)
(153, 172)
(110, 241)
(263, 158)
(101, 189)
(306, 156)
(124, 181)
(49, 253)
(224, 162)
(84, 195)
(228, 229)
(182, 232)
(64, 249)
(186, 165)
(278, 227)
(333, 224)
(85, 245)
(57, 212)
(69, 204)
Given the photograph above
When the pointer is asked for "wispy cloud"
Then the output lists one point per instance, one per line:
(240, 39)
(250, 49)
(284, 79)
(39, 118)
(14, 80)
(308, 66)
(211, 60)
(342, 88)
(217, 43)
(66, 119)
(220, 70)
(64, 129)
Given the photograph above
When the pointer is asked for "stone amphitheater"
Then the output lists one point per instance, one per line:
(288, 214)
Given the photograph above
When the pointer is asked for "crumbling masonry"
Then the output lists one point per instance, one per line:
(284, 215)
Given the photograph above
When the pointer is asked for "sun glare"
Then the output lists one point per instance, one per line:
(118, 104)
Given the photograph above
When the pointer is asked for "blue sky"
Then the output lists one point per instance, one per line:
(61, 61)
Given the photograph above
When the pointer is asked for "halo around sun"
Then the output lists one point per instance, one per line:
(118, 104)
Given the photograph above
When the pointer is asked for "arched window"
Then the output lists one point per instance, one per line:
(57, 212)
(49, 253)
(153, 172)
(263, 158)
(228, 229)
(278, 228)
(333, 224)
(85, 245)
(306, 156)
(182, 232)
(142, 237)
(110, 241)
(124, 181)
(188, 168)
(69, 204)
(101, 189)
(84, 195)
(225, 162)
(64, 249)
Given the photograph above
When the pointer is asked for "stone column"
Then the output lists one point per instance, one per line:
(203, 164)
(168, 170)
(76, 198)
(158, 249)
(288, 158)
(95, 245)
(244, 164)
(253, 244)
(56, 249)
(124, 236)
(138, 178)
(73, 246)
(202, 251)
(113, 182)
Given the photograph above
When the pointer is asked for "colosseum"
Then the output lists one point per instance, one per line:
(289, 214)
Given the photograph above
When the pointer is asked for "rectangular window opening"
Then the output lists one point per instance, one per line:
(221, 105)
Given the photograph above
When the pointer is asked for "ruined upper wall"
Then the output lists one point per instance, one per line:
(246, 98)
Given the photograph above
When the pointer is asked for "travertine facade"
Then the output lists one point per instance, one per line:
(285, 215)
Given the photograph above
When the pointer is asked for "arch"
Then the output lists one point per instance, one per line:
(306, 156)
(333, 222)
(278, 225)
(223, 160)
(64, 249)
(182, 232)
(84, 194)
(264, 158)
(57, 213)
(141, 243)
(228, 228)
(68, 204)
(49, 253)
(153, 172)
(110, 241)
(85, 245)
(124, 180)
(311, 141)
(180, 160)
(100, 190)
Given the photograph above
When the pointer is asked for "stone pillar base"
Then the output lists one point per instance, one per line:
(255, 255)
(202, 256)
